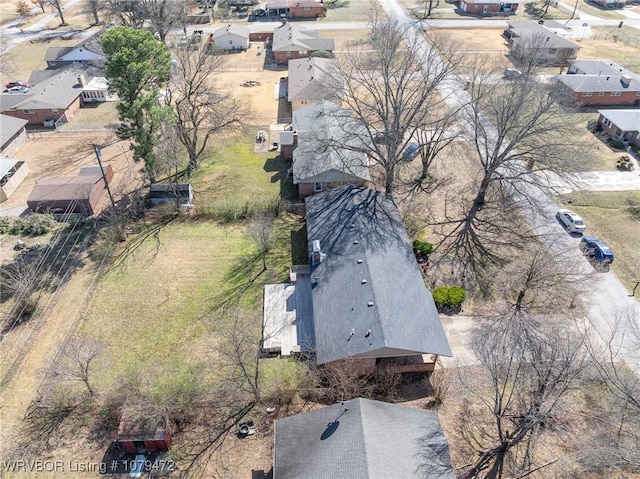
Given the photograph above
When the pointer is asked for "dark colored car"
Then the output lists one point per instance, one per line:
(596, 249)
(12, 84)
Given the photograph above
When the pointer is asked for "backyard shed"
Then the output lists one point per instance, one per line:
(63, 195)
(141, 433)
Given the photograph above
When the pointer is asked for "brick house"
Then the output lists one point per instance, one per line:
(309, 80)
(292, 41)
(621, 125)
(590, 90)
(488, 7)
(296, 8)
(56, 98)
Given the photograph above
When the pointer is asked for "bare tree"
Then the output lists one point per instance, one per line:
(390, 83)
(22, 9)
(40, 3)
(163, 15)
(259, 230)
(77, 355)
(512, 126)
(202, 110)
(126, 13)
(58, 6)
(527, 368)
(93, 8)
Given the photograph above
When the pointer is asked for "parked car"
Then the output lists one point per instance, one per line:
(511, 74)
(12, 84)
(571, 221)
(18, 89)
(411, 152)
(596, 249)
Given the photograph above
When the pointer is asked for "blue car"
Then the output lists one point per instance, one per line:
(597, 249)
(411, 152)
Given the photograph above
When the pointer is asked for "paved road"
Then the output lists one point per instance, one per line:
(609, 295)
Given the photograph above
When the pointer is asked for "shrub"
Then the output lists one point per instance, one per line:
(449, 296)
(4, 225)
(321, 54)
(422, 247)
(616, 144)
(34, 225)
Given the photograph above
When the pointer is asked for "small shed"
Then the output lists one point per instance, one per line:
(143, 432)
(170, 193)
(12, 173)
(67, 195)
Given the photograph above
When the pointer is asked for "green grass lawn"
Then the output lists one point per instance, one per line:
(607, 218)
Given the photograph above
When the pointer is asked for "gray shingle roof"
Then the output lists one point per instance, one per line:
(293, 37)
(598, 83)
(232, 29)
(363, 439)
(626, 120)
(525, 29)
(57, 91)
(599, 67)
(369, 297)
(54, 53)
(9, 126)
(316, 124)
(308, 78)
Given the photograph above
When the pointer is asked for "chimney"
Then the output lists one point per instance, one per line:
(316, 253)
(81, 81)
(625, 80)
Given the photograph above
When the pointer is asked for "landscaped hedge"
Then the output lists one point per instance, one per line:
(34, 225)
(449, 296)
(422, 247)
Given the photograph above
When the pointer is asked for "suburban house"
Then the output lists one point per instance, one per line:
(310, 80)
(12, 173)
(488, 7)
(602, 89)
(361, 439)
(88, 51)
(622, 125)
(362, 296)
(295, 8)
(612, 3)
(231, 37)
(328, 152)
(55, 99)
(597, 67)
(139, 433)
(12, 133)
(292, 41)
(70, 195)
(548, 41)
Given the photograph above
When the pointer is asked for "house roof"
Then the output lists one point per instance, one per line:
(600, 67)
(483, 2)
(314, 159)
(55, 53)
(309, 77)
(5, 165)
(598, 83)
(369, 297)
(64, 188)
(276, 4)
(88, 49)
(626, 120)
(294, 37)
(89, 70)
(58, 91)
(551, 32)
(231, 29)
(361, 439)
(9, 126)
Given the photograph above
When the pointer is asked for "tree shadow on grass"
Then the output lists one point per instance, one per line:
(244, 272)
(280, 167)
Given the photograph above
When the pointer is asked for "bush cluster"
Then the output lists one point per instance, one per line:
(34, 225)
(422, 247)
(449, 296)
(4, 225)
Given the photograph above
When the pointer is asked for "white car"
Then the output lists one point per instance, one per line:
(571, 221)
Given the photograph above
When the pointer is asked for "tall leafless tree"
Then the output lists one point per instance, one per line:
(40, 3)
(162, 15)
(77, 356)
(125, 13)
(201, 108)
(59, 7)
(390, 84)
(527, 368)
(260, 229)
(93, 8)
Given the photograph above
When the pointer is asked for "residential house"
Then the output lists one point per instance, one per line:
(361, 439)
(88, 51)
(12, 133)
(291, 41)
(231, 37)
(69, 195)
(329, 152)
(295, 8)
(597, 67)
(612, 3)
(55, 99)
(12, 174)
(622, 125)
(489, 7)
(368, 294)
(547, 41)
(590, 90)
(310, 80)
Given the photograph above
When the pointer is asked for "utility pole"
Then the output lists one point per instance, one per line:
(98, 153)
